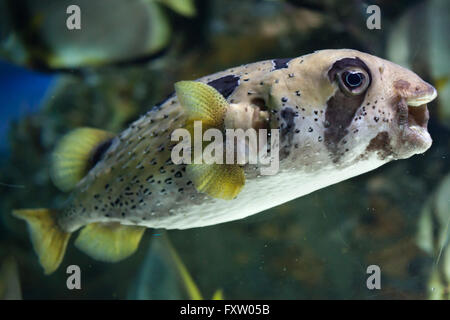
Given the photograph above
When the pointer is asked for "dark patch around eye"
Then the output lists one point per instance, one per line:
(280, 63)
(341, 108)
(225, 85)
(340, 111)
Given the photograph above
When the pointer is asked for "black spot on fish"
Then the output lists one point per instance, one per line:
(225, 85)
(280, 63)
(288, 116)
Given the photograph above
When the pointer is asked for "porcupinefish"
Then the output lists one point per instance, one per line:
(340, 113)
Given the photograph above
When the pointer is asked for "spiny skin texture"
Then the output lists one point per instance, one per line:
(326, 136)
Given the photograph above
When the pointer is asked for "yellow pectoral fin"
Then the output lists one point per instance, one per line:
(223, 181)
(202, 102)
(49, 241)
(75, 154)
(109, 242)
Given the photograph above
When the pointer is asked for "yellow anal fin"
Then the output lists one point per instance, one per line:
(49, 240)
(109, 242)
(76, 154)
(202, 102)
(223, 181)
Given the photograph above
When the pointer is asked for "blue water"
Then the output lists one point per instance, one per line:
(21, 92)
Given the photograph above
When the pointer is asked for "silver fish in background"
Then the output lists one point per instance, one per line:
(428, 21)
(34, 33)
(433, 238)
(340, 113)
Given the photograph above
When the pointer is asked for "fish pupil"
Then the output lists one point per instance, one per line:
(353, 79)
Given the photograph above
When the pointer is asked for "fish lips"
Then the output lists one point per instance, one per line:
(413, 119)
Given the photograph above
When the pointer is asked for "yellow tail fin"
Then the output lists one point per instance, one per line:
(109, 242)
(75, 154)
(49, 240)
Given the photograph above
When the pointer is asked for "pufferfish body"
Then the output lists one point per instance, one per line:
(339, 113)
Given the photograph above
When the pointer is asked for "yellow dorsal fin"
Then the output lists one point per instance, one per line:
(76, 154)
(223, 181)
(49, 240)
(109, 242)
(202, 102)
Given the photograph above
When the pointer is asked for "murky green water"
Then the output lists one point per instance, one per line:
(127, 59)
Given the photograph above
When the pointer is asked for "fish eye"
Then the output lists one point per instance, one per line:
(353, 81)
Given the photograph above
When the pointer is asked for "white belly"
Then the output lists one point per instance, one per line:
(261, 194)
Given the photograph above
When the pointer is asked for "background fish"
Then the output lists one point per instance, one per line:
(340, 113)
(175, 280)
(35, 34)
(433, 238)
(428, 20)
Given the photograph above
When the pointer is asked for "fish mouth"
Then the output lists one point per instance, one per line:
(413, 119)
